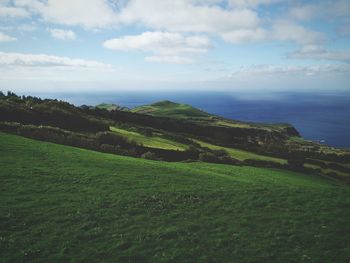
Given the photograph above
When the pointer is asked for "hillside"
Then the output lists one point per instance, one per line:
(206, 137)
(59, 203)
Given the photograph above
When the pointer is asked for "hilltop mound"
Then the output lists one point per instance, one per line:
(171, 109)
(165, 103)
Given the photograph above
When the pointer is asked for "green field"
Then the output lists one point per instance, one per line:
(60, 203)
(240, 154)
(150, 141)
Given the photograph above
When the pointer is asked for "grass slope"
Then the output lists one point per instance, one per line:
(59, 203)
(150, 141)
(240, 154)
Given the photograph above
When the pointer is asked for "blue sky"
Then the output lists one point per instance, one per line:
(251, 45)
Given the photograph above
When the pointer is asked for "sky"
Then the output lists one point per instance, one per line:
(230, 45)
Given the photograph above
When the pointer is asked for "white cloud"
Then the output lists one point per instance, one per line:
(285, 30)
(320, 53)
(21, 27)
(265, 78)
(169, 59)
(160, 42)
(245, 35)
(291, 70)
(166, 46)
(184, 16)
(43, 60)
(6, 38)
(239, 22)
(235, 21)
(90, 14)
(11, 11)
(304, 12)
(179, 15)
(62, 34)
(27, 27)
(281, 30)
(251, 3)
(323, 9)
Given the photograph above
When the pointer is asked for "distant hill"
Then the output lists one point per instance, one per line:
(171, 109)
(181, 111)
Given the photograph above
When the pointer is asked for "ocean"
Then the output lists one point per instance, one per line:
(322, 117)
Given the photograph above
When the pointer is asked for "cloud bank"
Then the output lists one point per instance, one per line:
(43, 60)
(166, 47)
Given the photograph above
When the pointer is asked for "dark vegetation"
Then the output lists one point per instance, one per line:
(89, 127)
(32, 110)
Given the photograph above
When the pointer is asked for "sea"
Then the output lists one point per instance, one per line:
(322, 117)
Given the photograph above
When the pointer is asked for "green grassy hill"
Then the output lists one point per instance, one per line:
(60, 203)
(171, 109)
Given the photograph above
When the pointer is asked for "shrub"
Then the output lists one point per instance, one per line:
(147, 132)
(208, 157)
(11, 127)
(262, 163)
(149, 156)
(317, 162)
(220, 153)
(107, 148)
(228, 160)
(296, 161)
(114, 139)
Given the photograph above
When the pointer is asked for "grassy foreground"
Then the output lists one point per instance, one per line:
(59, 203)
